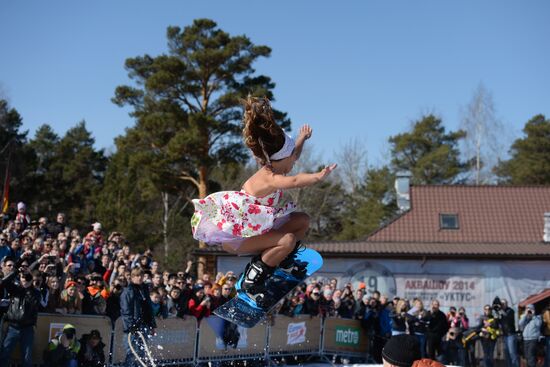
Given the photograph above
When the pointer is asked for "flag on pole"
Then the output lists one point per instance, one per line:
(6, 191)
(6, 194)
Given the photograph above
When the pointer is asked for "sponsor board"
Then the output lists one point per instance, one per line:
(347, 336)
(296, 333)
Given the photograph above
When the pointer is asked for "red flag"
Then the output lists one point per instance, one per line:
(6, 193)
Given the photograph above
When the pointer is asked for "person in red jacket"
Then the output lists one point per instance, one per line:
(199, 304)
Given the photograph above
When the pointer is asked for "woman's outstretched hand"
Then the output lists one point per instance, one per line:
(327, 170)
(305, 132)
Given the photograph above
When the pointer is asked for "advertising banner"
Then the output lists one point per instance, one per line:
(344, 337)
(449, 290)
(295, 335)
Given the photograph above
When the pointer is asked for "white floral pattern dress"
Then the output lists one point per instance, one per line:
(232, 216)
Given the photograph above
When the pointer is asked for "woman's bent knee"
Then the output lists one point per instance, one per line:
(288, 241)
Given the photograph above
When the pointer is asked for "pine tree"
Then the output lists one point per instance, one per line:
(428, 152)
(530, 156)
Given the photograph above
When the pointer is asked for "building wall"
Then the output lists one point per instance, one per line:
(454, 282)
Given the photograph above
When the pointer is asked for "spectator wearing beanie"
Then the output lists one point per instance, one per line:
(401, 351)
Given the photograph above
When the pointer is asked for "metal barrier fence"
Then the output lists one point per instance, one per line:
(184, 341)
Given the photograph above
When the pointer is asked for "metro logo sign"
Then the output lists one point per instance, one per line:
(347, 336)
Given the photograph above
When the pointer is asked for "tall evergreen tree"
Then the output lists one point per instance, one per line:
(428, 152)
(79, 169)
(195, 89)
(21, 159)
(44, 146)
(530, 156)
(369, 206)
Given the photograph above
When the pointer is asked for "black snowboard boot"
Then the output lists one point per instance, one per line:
(292, 266)
(254, 278)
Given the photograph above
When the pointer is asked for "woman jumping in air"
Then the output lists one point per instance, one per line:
(256, 220)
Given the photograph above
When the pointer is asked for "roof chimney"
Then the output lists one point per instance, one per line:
(546, 237)
(402, 188)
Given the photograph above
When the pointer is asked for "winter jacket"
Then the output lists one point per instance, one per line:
(88, 356)
(385, 322)
(530, 327)
(508, 321)
(5, 251)
(113, 307)
(399, 322)
(177, 307)
(159, 310)
(94, 302)
(437, 324)
(56, 355)
(24, 304)
(135, 308)
(312, 307)
(198, 310)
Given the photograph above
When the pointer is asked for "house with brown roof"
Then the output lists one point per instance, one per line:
(463, 245)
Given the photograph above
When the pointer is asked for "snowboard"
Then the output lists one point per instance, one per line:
(243, 311)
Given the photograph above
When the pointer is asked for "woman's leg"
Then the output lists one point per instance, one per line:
(276, 244)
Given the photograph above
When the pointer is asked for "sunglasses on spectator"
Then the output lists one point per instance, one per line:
(315, 294)
(226, 289)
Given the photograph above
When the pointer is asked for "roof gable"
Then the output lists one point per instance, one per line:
(486, 214)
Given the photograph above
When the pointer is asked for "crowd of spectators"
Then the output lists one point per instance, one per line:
(54, 268)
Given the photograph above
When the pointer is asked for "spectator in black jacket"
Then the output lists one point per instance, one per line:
(137, 316)
(508, 325)
(312, 306)
(113, 301)
(91, 353)
(21, 317)
(436, 330)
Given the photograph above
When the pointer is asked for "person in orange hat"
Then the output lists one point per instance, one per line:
(71, 299)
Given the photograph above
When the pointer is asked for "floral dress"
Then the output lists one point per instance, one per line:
(232, 216)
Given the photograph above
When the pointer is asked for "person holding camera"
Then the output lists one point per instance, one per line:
(199, 304)
(21, 317)
(62, 351)
(458, 323)
(530, 325)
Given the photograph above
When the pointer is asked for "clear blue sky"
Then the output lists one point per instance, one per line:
(361, 69)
